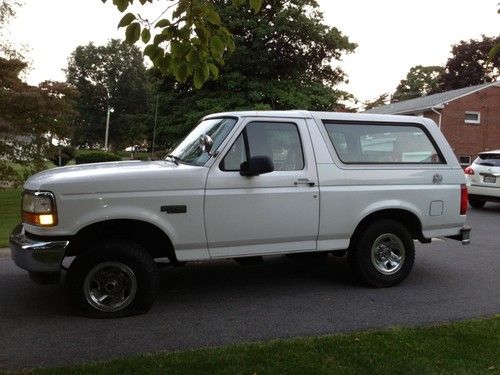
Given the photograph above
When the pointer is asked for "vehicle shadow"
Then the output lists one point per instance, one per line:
(278, 274)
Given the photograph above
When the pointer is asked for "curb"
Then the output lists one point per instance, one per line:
(4, 252)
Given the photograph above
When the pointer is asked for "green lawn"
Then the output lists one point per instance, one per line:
(461, 348)
(10, 203)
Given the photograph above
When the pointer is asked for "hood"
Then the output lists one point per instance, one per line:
(121, 176)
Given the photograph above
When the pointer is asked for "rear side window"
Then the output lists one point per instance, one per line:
(360, 143)
(488, 160)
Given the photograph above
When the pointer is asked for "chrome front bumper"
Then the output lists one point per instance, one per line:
(36, 256)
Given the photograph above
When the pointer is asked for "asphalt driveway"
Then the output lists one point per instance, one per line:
(219, 303)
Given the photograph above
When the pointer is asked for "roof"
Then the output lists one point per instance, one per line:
(324, 116)
(429, 101)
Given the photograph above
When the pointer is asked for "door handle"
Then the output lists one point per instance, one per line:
(304, 181)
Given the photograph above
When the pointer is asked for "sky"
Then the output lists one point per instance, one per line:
(392, 35)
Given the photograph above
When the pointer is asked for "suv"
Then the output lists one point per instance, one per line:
(483, 179)
(243, 185)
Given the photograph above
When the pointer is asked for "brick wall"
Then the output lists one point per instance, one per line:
(470, 139)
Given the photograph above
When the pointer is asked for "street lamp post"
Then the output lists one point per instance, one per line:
(107, 128)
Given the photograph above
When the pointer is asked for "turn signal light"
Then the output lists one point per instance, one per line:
(46, 220)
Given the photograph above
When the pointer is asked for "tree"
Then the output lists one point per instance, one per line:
(383, 99)
(191, 44)
(110, 76)
(469, 64)
(420, 81)
(284, 59)
(30, 118)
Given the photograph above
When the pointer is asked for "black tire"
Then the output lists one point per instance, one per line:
(395, 242)
(113, 267)
(476, 203)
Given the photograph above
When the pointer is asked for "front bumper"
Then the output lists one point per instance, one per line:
(463, 236)
(36, 256)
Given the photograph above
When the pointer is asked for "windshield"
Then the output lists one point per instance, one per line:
(189, 151)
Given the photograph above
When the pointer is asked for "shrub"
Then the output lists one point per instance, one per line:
(66, 153)
(96, 157)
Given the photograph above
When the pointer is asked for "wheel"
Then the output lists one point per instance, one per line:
(113, 279)
(383, 255)
(476, 203)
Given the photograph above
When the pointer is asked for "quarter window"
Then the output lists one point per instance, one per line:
(278, 141)
(359, 143)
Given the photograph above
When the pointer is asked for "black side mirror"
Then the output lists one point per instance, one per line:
(256, 165)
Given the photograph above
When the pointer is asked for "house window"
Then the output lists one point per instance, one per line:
(464, 159)
(472, 117)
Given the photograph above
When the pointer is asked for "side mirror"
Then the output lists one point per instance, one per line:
(206, 143)
(256, 165)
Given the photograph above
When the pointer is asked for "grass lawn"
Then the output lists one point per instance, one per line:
(10, 214)
(471, 347)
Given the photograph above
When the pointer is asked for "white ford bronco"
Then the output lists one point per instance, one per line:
(243, 185)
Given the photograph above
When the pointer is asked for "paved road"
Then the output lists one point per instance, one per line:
(207, 304)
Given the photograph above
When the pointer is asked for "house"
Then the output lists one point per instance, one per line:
(468, 117)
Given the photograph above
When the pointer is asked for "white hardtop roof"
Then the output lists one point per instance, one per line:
(338, 116)
(490, 152)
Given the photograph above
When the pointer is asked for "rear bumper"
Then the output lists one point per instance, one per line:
(483, 192)
(36, 256)
(463, 236)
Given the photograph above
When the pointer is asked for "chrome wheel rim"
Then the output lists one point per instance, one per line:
(388, 254)
(110, 286)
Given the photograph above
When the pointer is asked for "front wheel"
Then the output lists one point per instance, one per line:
(113, 279)
(383, 254)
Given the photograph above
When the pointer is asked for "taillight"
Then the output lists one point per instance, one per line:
(463, 199)
(469, 170)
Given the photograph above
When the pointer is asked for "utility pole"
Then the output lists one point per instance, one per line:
(154, 129)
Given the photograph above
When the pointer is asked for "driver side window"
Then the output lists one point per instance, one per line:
(278, 141)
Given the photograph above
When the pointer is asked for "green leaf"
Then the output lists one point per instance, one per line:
(213, 17)
(213, 70)
(122, 5)
(256, 5)
(126, 20)
(198, 79)
(163, 23)
(493, 52)
(133, 33)
(180, 70)
(145, 36)
(217, 46)
(164, 64)
(160, 38)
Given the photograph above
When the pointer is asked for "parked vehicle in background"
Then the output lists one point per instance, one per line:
(243, 185)
(483, 179)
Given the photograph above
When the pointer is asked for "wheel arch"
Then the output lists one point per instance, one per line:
(407, 218)
(152, 238)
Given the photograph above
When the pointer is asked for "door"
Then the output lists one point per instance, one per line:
(270, 213)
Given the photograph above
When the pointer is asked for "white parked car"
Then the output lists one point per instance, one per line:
(243, 185)
(483, 179)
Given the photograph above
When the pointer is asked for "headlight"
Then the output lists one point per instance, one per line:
(39, 208)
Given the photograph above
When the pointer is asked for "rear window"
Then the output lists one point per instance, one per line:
(359, 143)
(488, 160)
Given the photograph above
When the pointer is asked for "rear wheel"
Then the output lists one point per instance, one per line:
(476, 203)
(383, 254)
(113, 279)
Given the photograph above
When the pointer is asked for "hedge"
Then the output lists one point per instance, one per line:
(96, 157)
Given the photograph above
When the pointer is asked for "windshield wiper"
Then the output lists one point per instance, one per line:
(175, 159)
